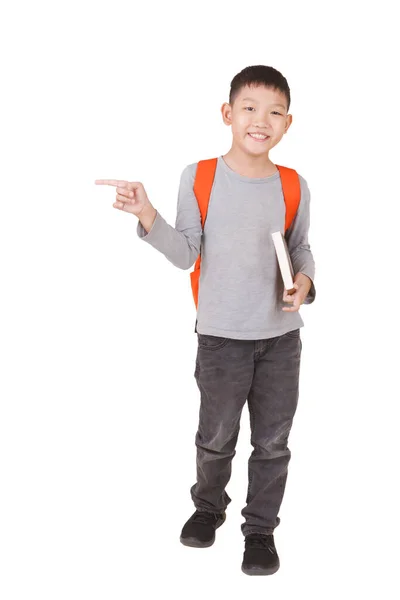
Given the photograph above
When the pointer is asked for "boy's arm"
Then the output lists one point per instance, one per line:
(297, 241)
(179, 244)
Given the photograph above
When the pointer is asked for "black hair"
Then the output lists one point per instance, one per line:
(259, 75)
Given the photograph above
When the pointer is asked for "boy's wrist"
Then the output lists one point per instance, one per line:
(304, 281)
(304, 278)
(147, 216)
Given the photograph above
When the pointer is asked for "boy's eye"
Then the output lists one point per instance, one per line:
(273, 112)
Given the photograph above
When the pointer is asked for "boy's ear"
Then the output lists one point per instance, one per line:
(289, 120)
(226, 111)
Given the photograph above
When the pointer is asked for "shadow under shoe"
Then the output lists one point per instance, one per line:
(260, 555)
(199, 530)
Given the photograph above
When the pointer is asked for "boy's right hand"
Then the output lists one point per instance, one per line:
(131, 196)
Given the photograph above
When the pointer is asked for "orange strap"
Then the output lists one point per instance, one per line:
(203, 183)
(202, 189)
(291, 193)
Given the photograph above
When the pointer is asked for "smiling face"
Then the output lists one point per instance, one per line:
(257, 109)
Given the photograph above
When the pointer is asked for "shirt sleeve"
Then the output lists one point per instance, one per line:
(297, 241)
(179, 244)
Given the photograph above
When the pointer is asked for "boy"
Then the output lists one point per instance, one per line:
(249, 342)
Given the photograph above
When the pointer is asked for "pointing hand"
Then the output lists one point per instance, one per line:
(131, 196)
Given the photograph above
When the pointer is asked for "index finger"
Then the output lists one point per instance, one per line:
(115, 182)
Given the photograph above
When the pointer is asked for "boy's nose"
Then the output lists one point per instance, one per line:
(262, 125)
(264, 129)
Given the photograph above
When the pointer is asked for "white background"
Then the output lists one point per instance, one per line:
(99, 405)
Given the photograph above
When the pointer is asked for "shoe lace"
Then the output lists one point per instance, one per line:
(204, 517)
(258, 540)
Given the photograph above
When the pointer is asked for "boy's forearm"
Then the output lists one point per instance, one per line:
(181, 248)
(147, 216)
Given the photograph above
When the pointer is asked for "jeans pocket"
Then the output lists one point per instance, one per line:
(211, 342)
(295, 333)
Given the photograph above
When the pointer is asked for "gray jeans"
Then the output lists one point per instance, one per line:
(266, 374)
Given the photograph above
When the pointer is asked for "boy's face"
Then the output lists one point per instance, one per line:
(257, 109)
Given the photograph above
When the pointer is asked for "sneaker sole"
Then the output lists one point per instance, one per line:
(260, 570)
(193, 542)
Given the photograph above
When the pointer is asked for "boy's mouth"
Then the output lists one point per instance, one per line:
(258, 137)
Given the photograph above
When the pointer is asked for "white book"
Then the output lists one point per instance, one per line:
(285, 264)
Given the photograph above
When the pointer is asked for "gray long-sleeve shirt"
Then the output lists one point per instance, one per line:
(240, 286)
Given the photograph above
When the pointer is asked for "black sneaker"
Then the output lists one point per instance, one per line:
(199, 530)
(260, 556)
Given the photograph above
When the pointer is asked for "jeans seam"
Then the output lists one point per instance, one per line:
(251, 415)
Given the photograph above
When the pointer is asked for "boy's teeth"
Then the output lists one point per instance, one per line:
(258, 136)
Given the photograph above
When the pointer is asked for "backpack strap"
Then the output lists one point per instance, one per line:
(203, 183)
(291, 193)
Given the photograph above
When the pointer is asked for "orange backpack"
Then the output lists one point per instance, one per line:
(202, 190)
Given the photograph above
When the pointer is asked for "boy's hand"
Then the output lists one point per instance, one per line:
(131, 196)
(302, 285)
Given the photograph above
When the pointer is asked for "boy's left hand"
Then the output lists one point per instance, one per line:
(302, 285)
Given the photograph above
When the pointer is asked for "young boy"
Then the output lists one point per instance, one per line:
(249, 342)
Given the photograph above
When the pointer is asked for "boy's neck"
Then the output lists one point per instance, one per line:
(249, 166)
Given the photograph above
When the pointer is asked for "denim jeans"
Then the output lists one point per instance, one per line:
(266, 374)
